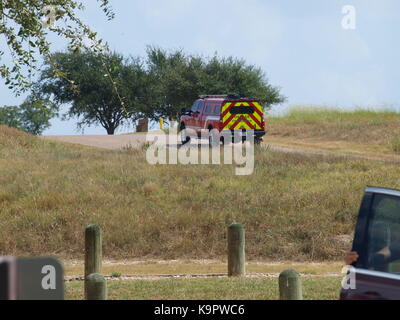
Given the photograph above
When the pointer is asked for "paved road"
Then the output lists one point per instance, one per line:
(116, 141)
(138, 139)
(103, 141)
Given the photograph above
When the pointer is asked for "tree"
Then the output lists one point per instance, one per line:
(25, 26)
(178, 79)
(11, 116)
(90, 84)
(32, 116)
(175, 78)
(235, 76)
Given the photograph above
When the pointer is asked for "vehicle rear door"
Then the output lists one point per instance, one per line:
(377, 241)
(209, 118)
(242, 115)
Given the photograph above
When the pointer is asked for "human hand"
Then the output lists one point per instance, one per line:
(350, 257)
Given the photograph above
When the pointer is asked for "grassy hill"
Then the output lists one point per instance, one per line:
(294, 206)
(359, 131)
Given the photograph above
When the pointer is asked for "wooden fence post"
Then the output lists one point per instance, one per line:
(96, 287)
(236, 250)
(93, 250)
(290, 287)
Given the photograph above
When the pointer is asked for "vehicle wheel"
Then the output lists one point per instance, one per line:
(184, 138)
(258, 141)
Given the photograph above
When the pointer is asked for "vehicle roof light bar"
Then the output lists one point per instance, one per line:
(223, 96)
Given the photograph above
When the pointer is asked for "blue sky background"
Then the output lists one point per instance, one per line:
(300, 45)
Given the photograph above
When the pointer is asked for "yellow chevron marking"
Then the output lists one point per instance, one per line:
(225, 106)
(242, 124)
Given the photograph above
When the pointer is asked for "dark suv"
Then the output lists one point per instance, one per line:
(377, 242)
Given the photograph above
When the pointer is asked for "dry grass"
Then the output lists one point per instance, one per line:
(13, 138)
(361, 129)
(294, 207)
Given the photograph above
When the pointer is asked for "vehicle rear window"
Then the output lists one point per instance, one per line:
(242, 110)
(208, 108)
(383, 241)
(217, 109)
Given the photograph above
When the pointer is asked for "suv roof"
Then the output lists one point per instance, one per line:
(392, 192)
(221, 96)
(228, 97)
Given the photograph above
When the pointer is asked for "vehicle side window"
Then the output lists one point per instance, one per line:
(208, 108)
(383, 235)
(200, 106)
(194, 107)
(217, 109)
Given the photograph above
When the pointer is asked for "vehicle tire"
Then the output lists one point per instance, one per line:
(184, 138)
(257, 141)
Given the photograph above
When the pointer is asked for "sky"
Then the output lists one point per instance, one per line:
(301, 45)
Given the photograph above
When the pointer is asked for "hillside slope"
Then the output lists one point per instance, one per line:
(365, 132)
(294, 206)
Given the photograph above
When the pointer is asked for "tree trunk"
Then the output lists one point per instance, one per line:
(143, 125)
(110, 131)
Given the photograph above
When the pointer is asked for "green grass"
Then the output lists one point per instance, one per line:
(314, 288)
(320, 115)
(152, 267)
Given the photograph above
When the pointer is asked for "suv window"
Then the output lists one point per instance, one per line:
(194, 107)
(383, 237)
(242, 110)
(200, 106)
